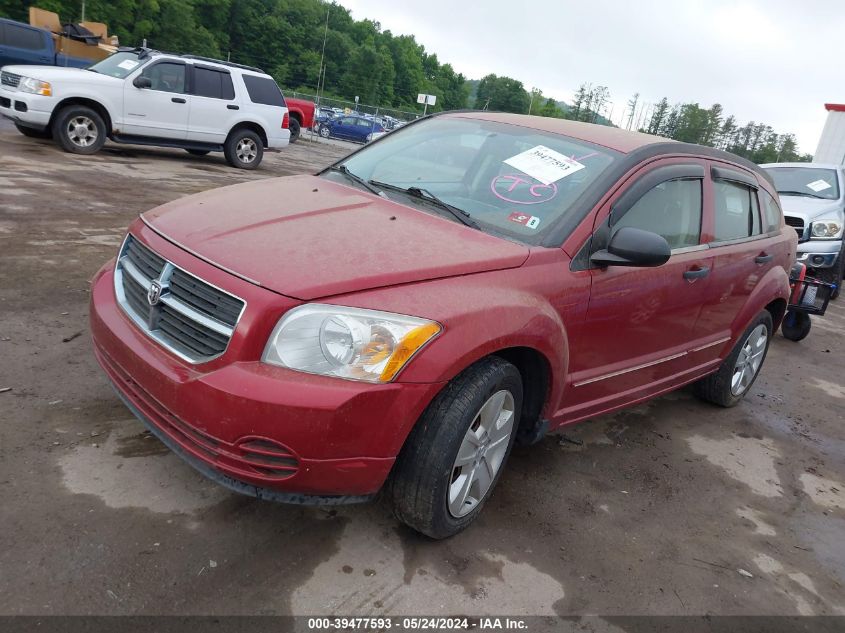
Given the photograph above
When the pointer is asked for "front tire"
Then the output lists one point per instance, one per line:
(325, 132)
(729, 384)
(79, 130)
(243, 149)
(33, 133)
(456, 453)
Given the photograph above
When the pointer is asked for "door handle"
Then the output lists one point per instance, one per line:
(178, 100)
(233, 107)
(765, 258)
(696, 273)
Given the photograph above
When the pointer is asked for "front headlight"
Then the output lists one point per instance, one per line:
(35, 86)
(826, 229)
(347, 342)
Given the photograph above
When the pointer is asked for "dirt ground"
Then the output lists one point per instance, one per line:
(673, 507)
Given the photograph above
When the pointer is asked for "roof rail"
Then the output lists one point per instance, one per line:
(220, 61)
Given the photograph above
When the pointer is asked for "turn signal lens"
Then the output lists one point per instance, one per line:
(407, 347)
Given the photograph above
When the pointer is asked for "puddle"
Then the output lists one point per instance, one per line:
(371, 574)
(126, 471)
(746, 459)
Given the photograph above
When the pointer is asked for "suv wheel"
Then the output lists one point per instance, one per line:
(740, 369)
(455, 455)
(243, 149)
(79, 130)
(33, 133)
(295, 130)
(833, 275)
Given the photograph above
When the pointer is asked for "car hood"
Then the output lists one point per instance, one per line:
(307, 237)
(60, 73)
(809, 209)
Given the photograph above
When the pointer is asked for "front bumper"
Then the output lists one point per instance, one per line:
(340, 438)
(26, 109)
(819, 253)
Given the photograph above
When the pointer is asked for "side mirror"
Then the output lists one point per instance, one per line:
(633, 247)
(142, 82)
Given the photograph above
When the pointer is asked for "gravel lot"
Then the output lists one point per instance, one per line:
(674, 507)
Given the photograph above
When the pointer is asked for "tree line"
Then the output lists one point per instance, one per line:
(311, 45)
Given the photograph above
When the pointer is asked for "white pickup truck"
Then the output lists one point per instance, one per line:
(145, 97)
(813, 199)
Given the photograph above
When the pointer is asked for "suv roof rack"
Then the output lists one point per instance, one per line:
(220, 61)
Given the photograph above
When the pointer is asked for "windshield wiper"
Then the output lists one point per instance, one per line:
(343, 169)
(424, 194)
(803, 193)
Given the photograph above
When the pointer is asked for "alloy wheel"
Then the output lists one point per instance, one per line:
(749, 360)
(246, 150)
(481, 454)
(82, 131)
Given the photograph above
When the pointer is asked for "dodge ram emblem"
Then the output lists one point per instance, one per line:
(154, 293)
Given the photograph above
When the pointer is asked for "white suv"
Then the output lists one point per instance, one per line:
(144, 97)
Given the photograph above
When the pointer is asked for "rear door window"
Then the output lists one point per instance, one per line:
(263, 90)
(736, 211)
(212, 83)
(22, 37)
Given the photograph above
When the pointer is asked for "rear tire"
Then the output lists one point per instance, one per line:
(243, 149)
(735, 376)
(197, 152)
(454, 456)
(79, 130)
(33, 133)
(295, 130)
(795, 326)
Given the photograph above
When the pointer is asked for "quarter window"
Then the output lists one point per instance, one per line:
(671, 209)
(737, 214)
(263, 90)
(771, 213)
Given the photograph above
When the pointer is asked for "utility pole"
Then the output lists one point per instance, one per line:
(323, 53)
(83, 11)
(531, 103)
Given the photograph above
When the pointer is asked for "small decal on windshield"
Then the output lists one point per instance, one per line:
(819, 185)
(530, 221)
(127, 64)
(544, 164)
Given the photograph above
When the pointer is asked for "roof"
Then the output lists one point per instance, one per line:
(834, 107)
(615, 138)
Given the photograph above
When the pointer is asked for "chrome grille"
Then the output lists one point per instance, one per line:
(795, 223)
(10, 79)
(188, 316)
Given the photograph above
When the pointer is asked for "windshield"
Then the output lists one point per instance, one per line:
(511, 180)
(119, 64)
(808, 181)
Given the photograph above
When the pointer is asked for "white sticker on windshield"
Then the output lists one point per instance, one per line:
(544, 164)
(819, 185)
(127, 64)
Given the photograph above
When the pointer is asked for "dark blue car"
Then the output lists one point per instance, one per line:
(352, 128)
(24, 44)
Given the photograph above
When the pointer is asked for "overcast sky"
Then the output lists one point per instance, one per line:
(775, 61)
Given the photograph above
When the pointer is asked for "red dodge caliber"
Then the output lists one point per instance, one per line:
(398, 321)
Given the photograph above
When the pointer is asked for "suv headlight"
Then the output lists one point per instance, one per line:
(35, 86)
(826, 229)
(349, 343)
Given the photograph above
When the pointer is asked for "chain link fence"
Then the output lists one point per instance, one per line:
(363, 108)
